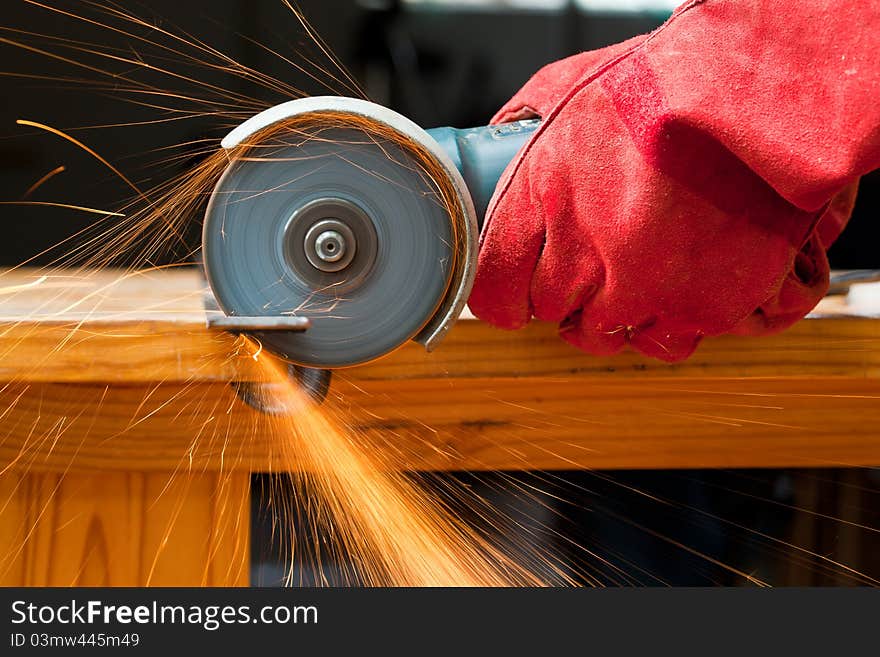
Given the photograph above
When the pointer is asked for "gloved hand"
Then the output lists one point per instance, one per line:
(688, 182)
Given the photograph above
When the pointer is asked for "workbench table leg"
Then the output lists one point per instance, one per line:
(124, 529)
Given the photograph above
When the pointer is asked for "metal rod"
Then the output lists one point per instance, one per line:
(841, 280)
(270, 323)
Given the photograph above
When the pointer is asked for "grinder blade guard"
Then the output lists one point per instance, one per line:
(346, 214)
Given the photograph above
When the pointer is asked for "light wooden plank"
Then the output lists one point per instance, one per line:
(110, 326)
(466, 424)
(136, 390)
(107, 327)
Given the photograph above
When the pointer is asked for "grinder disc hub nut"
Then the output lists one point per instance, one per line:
(330, 245)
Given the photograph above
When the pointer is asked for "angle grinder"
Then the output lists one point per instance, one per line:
(341, 230)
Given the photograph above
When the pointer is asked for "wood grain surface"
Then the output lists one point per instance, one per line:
(147, 328)
(142, 385)
(124, 529)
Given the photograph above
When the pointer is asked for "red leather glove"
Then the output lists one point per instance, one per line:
(688, 182)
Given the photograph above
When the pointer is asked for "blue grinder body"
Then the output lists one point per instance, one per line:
(482, 154)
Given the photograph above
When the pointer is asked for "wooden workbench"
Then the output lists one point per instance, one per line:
(125, 455)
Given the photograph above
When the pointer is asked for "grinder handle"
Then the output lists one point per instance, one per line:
(482, 154)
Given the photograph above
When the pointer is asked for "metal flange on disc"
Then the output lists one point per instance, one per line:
(338, 227)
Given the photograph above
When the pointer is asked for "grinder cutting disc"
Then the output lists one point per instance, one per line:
(339, 226)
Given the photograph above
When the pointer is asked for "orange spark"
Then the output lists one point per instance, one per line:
(54, 172)
(67, 206)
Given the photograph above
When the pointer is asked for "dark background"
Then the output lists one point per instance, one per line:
(440, 64)
(436, 62)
